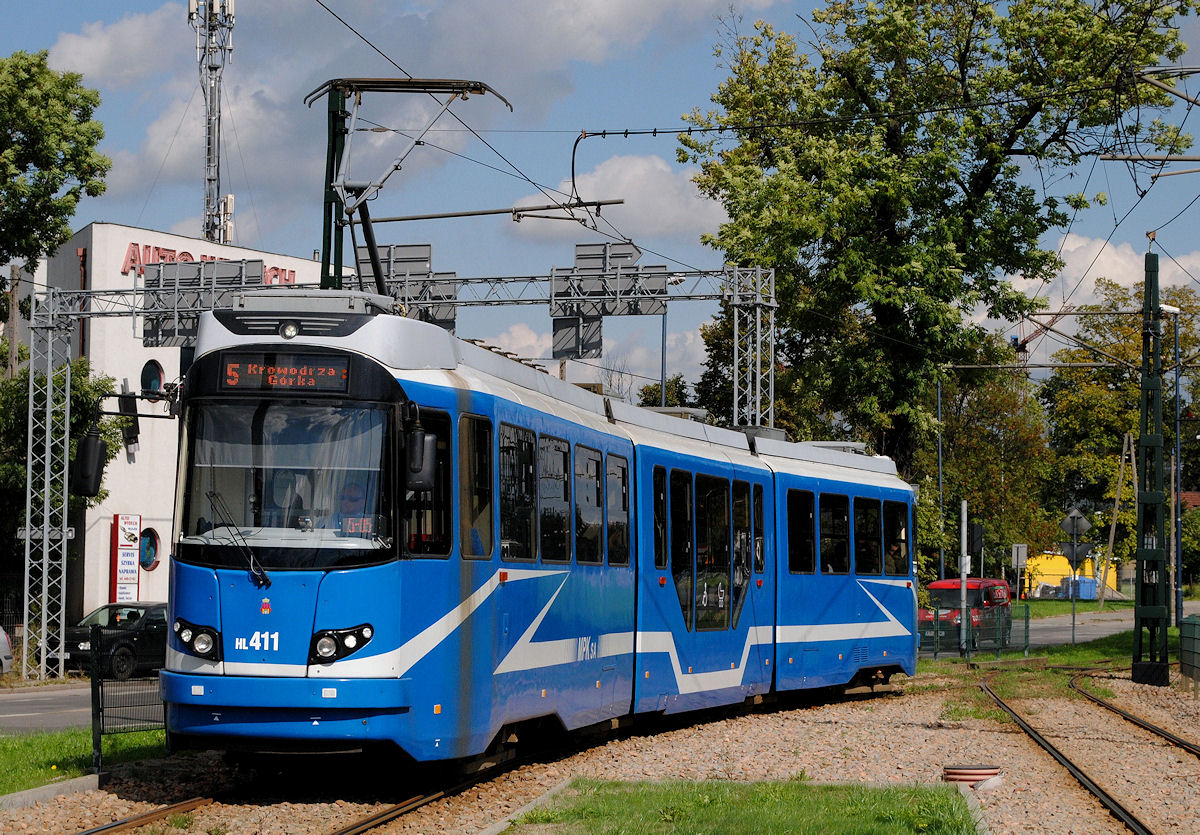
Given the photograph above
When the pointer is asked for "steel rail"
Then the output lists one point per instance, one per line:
(1114, 807)
(379, 818)
(1190, 747)
(149, 817)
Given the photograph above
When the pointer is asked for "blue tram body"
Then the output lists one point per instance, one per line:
(388, 535)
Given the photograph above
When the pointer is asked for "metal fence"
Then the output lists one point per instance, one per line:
(134, 704)
(941, 634)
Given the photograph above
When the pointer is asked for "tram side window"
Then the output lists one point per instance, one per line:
(475, 486)
(742, 546)
(835, 534)
(681, 541)
(760, 547)
(801, 550)
(589, 506)
(868, 537)
(427, 515)
(617, 488)
(712, 553)
(895, 535)
(660, 517)
(554, 497)
(518, 493)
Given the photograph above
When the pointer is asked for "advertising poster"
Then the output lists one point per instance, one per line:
(126, 540)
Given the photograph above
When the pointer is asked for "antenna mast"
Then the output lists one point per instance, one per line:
(213, 22)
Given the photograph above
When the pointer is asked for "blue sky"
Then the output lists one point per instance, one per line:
(564, 65)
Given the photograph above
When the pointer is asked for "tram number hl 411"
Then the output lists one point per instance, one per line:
(264, 641)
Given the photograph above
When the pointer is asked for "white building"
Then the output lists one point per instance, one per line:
(140, 481)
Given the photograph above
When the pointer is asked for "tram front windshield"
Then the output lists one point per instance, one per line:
(302, 484)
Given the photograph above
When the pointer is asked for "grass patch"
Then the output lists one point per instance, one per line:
(1050, 608)
(35, 759)
(1111, 652)
(604, 807)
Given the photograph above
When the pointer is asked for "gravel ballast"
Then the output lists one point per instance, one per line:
(891, 739)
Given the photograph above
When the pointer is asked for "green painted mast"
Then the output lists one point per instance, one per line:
(333, 223)
(1151, 614)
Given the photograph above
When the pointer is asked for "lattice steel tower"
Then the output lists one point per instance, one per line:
(213, 22)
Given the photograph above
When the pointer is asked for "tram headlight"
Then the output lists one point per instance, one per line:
(289, 329)
(202, 641)
(329, 645)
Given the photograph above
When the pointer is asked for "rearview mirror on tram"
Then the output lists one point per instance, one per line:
(422, 454)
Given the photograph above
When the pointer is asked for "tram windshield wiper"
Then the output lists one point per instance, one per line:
(257, 572)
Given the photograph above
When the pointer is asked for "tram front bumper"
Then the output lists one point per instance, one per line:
(284, 708)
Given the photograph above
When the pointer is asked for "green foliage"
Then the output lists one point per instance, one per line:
(1090, 410)
(881, 178)
(1190, 523)
(677, 393)
(995, 456)
(87, 393)
(48, 156)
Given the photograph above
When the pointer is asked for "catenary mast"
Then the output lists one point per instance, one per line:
(213, 22)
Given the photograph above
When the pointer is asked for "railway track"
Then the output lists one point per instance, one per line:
(146, 818)
(364, 823)
(1087, 780)
(376, 817)
(1177, 741)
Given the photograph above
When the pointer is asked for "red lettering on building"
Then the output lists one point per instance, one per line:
(139, 255)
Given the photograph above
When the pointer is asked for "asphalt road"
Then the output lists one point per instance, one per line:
(56, 706)
(44, 708)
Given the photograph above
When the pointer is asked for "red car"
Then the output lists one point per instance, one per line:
(989, 605)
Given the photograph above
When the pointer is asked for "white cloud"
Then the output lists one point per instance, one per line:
(1090, 258)
(529, 50)
(123, 53)
(523, 341)
(660, 201)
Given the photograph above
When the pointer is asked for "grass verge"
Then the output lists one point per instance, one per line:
(1052, 681)
(1050, 608)
(603, 807)
(37, 759)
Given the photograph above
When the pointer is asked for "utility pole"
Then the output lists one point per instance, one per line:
(213, 22)
(14, 315)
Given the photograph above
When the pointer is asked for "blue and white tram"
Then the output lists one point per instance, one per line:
(388, 535)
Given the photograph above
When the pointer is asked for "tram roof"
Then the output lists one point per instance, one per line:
(410, 344)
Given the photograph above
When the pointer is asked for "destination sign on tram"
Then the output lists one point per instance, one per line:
(277, 372)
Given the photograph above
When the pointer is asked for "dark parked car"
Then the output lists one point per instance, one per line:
(134, 639)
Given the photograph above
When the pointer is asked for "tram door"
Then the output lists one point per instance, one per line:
(704, 610)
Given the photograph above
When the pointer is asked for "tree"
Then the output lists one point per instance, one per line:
(995, 457)
(882, 180)
(677, 393)
(1191, 544)
(1090, 410)
(87, 393)
(48, 156)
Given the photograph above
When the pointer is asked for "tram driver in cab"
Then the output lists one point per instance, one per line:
(349, 519)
